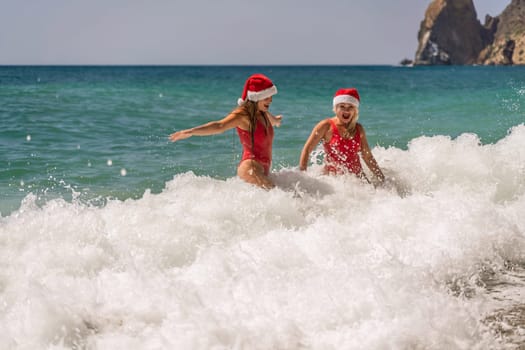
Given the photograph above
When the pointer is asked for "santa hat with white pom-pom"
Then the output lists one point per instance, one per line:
(350, 96)
(257, 88)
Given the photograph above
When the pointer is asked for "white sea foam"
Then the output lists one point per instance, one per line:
(318, 263)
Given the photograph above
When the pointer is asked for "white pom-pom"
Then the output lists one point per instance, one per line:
(240, 101)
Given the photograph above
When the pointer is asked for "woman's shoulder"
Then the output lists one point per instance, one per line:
(324, 125)
(324, 129)
(240, 110)
(325, 122)
(238, 117)
(240, 113)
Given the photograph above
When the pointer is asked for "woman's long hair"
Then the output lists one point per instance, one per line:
(250, 107)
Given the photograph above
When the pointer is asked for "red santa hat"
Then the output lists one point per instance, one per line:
(347, 96)
(257, 87)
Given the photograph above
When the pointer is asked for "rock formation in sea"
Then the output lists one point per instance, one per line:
(508, 43)
(451, 34)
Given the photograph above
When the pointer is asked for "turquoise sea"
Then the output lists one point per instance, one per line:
(113, 237)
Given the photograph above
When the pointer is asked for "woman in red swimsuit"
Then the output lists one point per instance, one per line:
(343, 139)
(254, 124)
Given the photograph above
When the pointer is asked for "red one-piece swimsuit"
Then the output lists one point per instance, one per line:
(262, 145)
(341, 155)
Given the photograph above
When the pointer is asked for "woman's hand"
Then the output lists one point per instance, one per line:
(275, 119)
(180, 135)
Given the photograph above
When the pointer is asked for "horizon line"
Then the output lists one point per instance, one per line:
(190, 64)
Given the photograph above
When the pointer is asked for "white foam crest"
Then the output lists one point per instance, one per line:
(319, 262)
(434, 163)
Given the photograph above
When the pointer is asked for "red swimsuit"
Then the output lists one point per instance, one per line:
(342, 154)
(262, 145)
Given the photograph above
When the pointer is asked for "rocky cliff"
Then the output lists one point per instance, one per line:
(508, 44)
(451, 34)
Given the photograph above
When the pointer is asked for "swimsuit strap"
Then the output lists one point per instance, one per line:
(334, 127)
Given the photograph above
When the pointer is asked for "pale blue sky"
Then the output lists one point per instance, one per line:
(214, 31)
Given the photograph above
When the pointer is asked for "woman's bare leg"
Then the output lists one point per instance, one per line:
(252, 172)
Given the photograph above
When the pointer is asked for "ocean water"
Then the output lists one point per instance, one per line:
(113, 237)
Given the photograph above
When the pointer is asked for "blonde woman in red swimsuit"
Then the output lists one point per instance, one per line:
(343, 139)
(254, 124)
